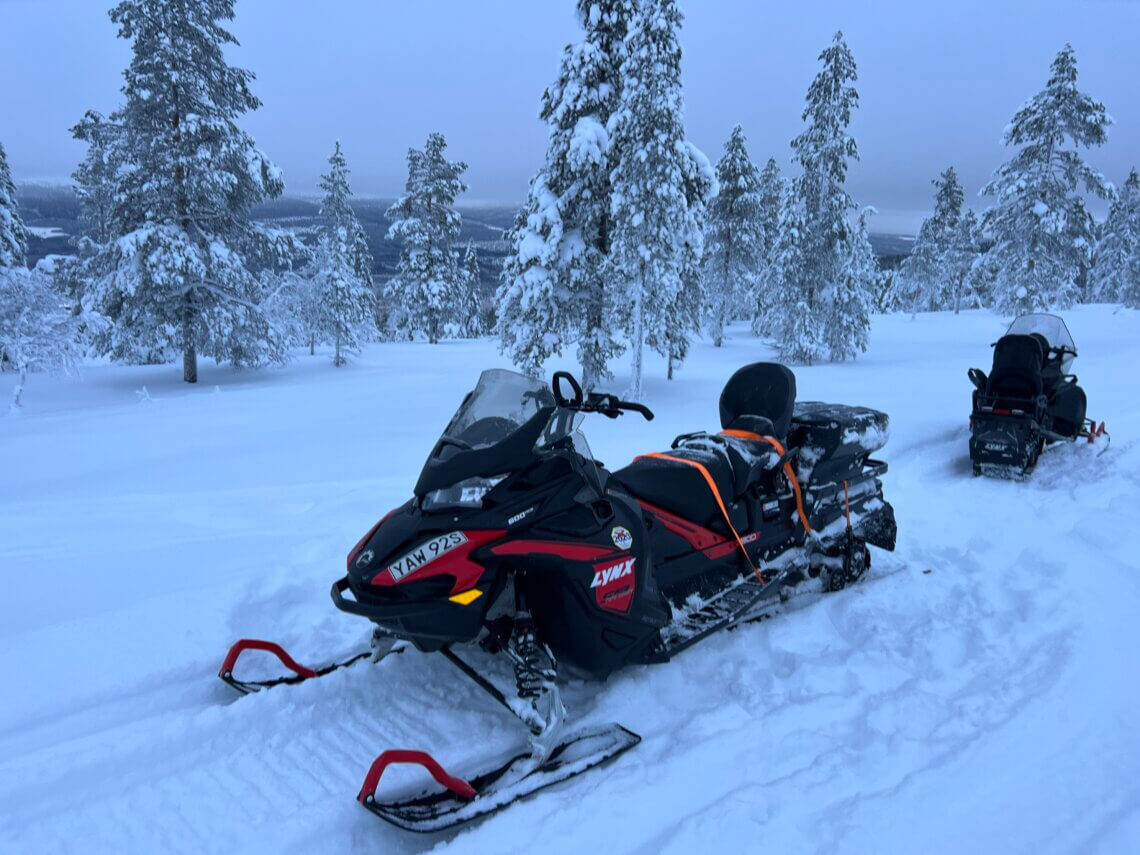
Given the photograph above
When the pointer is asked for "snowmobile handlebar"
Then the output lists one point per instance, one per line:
(604, 403)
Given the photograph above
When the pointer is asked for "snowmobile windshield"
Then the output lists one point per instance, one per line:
(1052, 328)
(501, 422)
(501, 402)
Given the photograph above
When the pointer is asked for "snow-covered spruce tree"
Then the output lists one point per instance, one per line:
(793, 322)
(13, 235)
(337, 215)
(921, 281)
(552, 288)
(851, 296)
(38, 331)
(1115, 274)
(95, 178)
(683, 318)
(1042, 233)
(471, 323)
(428, 284)
(822, 151)
(735, 241)
(772, 188)
(181, 274)
(959, 262)
(342, 295)
(649, 205)
(95, 182)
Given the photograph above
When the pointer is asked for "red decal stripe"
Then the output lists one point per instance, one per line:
(563, 549)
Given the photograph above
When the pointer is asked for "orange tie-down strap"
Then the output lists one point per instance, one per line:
(792, 479)
(716, 495)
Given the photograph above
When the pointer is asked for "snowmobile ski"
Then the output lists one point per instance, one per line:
(300, 672)
(462, 800)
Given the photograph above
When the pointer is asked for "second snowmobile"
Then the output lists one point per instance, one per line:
(517, 544)
(1029, 399)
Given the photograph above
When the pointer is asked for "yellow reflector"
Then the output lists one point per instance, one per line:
(467, 597)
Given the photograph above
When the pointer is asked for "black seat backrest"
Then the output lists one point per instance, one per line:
(1016, 374)
(766, 390)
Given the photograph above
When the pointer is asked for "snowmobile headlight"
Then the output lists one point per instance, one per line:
(468, 493)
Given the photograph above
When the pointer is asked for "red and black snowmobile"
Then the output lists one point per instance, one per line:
(1029, 399)
(518, 545)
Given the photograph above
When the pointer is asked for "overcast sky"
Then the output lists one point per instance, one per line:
(938, 82)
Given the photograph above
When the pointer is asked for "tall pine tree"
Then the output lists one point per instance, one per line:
(1042, 232)
(96, 177)
(771, 193)
(13, 234)
(735, 243)
(649, 207)
(342, 285)
(473, 322)
(428, 285)
(1115, 275)
(181, 275)
(811, 293)
(683, 318)
(552, 292)
(851, 295)
(921, 282)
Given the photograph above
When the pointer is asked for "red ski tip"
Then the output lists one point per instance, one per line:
(457, 785)
(277, 650)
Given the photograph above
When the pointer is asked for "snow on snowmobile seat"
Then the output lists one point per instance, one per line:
(759, 398)
(1016, 375)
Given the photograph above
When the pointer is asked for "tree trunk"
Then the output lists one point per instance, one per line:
(189, 352)
(638, 344)
(669, 372)
(312, 345)
(338, 360)
(18, 392)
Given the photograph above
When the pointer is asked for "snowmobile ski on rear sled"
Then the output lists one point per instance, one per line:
(1029, 400)
(517, 543)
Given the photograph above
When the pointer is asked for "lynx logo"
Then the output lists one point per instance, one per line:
(995, 446)
(613, 572)
(613, 585)
(364, 558)
(621, 537)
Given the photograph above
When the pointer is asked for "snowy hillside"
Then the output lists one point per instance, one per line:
(977, 692)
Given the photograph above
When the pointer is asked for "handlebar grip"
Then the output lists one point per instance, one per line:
(638, 408)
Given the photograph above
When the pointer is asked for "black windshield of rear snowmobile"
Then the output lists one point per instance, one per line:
(500, 428)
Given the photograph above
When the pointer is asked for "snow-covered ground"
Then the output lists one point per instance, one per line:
(978, 692)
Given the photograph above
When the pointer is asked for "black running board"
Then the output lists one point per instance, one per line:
(727, 609)
(462, 801)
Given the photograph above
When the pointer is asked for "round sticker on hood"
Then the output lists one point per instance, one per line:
(621, 537)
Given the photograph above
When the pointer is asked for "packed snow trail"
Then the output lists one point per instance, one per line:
(976, 691)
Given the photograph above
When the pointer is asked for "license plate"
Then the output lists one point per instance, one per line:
(425, 553)
(996, 446)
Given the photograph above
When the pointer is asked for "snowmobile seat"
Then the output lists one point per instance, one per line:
(1044, 342)
(1016, 375)
(759, 395)
(681, 489)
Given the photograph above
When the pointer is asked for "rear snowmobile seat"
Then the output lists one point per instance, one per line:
(1016, 375)
(759, 399)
